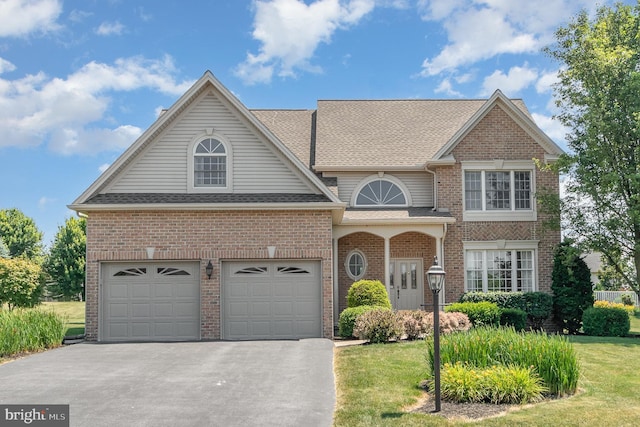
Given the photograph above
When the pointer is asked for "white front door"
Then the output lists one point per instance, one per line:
(406, 290)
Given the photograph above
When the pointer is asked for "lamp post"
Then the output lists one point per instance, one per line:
(435, 278)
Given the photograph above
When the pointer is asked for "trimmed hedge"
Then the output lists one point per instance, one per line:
(368, 292)
(513, 317)
(348, 318)
(483, 313)
(501, 299)
(606, 322)
(537, 305)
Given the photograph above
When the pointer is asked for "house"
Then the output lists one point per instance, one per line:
(221, 222)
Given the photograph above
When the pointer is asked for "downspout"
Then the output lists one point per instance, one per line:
(435, 186)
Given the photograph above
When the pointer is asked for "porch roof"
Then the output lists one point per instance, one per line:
(411, 215)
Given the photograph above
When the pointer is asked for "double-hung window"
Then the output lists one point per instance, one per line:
(490, 267)
(498, 193)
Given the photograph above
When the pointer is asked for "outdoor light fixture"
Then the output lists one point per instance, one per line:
(209, 270)
(435, 278)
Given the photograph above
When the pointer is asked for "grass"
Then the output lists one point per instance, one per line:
(375, 382)
(635, 323)
(72, 312)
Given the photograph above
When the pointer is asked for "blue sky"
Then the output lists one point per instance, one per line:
(80, 80)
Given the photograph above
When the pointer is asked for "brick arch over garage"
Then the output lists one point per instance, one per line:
(405, 244)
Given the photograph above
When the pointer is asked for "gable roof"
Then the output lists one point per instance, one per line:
(293, 127)
(520, 116)
(206, 81)
(389, 134)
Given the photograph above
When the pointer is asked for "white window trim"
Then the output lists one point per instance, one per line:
(501, 245)
(209, 133)
(512, 214)
(364, 264)
(386, 177)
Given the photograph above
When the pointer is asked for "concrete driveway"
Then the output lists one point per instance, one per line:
(257, 383)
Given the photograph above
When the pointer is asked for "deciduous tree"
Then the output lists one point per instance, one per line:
(597, 93)
(20, 234)
(66, 261)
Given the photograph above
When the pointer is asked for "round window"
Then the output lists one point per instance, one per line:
(356, 264)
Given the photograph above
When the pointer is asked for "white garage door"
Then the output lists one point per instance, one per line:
(150, 301)
(271, 300)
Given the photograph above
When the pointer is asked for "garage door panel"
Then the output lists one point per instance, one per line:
(283, 300)
(118, 290)
(140, 310)
(150, 301)
(260, 308)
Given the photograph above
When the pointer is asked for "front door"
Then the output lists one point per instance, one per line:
(406, 284)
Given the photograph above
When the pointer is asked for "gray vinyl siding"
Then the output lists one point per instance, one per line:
(419, 184)
(256, 166)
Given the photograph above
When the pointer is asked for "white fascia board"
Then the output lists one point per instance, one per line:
(368, 168)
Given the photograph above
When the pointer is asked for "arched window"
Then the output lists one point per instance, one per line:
(381, 192)
(210, 164)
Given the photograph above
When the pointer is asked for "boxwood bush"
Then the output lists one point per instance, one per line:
(551, 356)
(480, 313)
(606, 322)
(501, 299)
(368, 292)
(538, 306)
(348, 319)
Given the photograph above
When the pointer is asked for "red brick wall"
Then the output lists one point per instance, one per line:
(406, 245)
(203, 236)
(497, 136)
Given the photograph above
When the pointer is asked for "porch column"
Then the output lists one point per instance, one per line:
(336, 285)
(387, 260)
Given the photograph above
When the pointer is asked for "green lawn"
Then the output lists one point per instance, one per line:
(635, 324)
(72, 311)
(375, 382)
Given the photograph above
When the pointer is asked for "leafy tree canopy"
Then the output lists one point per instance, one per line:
(66, 261)
(597, 93)
(20, 235)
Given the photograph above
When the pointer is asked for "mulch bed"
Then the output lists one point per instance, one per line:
(462, 411)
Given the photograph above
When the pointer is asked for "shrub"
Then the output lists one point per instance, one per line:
(20, 282)
(513, 317)
(415, 323)
(607, 304)
(571, 286)
(495, 384)
(418, 323)
(368, 292)
(501, 299)
(480, 313)
(552, 356)
(29, 330)
(348, 319)
(378, 325)
(538, 306)
(606, 322)
(627, 300)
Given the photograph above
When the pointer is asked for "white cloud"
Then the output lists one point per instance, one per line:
(481, 29)
(510, 84)
(78, 16)
(110, 28)
(553, 128)
(104, 167)
(64, 112)
(19, 18)
(289, 32)
(6, 66)
(446, 87)
(546, 81)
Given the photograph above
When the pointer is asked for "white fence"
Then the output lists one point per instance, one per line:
(614, 296)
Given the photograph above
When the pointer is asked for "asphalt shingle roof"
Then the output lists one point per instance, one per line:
(212, 198)
(292, 127)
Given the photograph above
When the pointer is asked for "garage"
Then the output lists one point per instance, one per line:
(271, 300)
(150, 301)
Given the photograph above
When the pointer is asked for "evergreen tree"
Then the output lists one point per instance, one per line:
(571, 286)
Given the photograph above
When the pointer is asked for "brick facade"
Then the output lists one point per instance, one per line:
(497, 136)
(203, 236)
